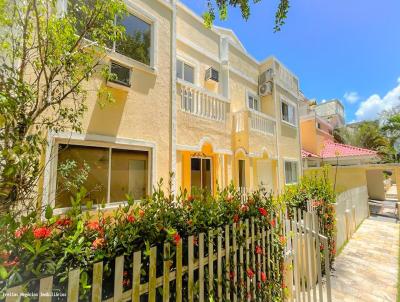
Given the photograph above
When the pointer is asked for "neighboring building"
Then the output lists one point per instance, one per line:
(196, 104)
(332, 111)
(319, 147)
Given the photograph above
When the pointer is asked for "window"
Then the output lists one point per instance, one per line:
(200, 174)
(291, 173)
(137, 42)
(254, 103)
(184, 71)
(288, 113)
(242, 173)
(138, 33)
(122, 74)
(111, 173)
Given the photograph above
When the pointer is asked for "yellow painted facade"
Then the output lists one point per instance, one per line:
(241, 135)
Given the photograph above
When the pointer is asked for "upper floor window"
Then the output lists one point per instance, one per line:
(184, 71)
(137, 42)
(253, 102)
(291, 172)
(288, 113)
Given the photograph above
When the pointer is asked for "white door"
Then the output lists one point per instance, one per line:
(265, 175)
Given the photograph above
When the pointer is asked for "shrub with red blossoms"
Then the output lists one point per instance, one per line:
(41, 233)
(263, 211)
(250, 273)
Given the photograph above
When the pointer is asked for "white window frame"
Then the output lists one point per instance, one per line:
(92, 140)
(255, 97)
(289, 103)
(183, 71)
(201, 178)
(284, 170)
(191, 62)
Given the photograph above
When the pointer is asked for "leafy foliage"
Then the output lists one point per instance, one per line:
(244, 6)
(31, 249)
(315, 191)
(46, 60)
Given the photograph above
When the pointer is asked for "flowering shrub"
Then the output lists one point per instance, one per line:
(318, 191)
(32, 248)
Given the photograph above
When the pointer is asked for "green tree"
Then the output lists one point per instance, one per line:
(244, 5)
(47, 56)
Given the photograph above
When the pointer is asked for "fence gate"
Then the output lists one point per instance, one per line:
(307, 265)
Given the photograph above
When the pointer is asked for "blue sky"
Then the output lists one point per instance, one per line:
(346, 49)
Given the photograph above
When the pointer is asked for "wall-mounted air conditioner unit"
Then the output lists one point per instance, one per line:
(266, 76)
(122, 74)
(265, 89)
(212, 74)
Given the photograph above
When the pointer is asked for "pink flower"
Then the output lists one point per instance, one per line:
(263, 211)
(20, 232)
(41, 233)
(244, 208)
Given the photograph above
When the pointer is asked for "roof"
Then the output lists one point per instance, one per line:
(332, 150)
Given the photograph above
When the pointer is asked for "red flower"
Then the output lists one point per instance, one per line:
(273, 223)
(95, 226)
(63, 222)
(190, 198)
(98, 243)
(141, 213)
(41, 233)
(244, 208)
(236, 218)
(126, 282)
(130, 218)
(176, 238)
(263, 277)
(231, 275)
(263, 211)
(259, 250)
(20, 232)
(258, 285)
(250, 273)
(282, 239)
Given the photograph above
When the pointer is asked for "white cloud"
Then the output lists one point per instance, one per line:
(323, 101)
(352, 97)
(371, 107)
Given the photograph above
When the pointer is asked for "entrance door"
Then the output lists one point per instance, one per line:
(265, 174)
(201, 173)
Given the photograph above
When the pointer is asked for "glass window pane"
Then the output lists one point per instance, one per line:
(96, 182)
(179, 69)
(122, 73)
(285, 113)
(206, 174)
(188, 73)
(129, 174)
(251, 105)
(138, 39)
(242, 174)
(195, 175)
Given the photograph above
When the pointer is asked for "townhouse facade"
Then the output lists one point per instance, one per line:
(192, 102)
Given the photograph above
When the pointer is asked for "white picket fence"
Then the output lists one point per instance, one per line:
(305, 279)
(197, 276)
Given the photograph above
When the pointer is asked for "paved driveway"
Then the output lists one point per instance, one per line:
(366, 270)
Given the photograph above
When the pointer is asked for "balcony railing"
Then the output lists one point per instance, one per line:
(261, 122)
(200, 102)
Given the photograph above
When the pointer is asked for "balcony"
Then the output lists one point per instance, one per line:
(261, 123)
(202, 103)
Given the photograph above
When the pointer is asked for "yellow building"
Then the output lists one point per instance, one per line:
(193, 102)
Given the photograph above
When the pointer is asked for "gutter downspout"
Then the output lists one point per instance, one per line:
(173, 99)
(277, 110)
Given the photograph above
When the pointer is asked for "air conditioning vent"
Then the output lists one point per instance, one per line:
(265, 89)
(212, 74)
(266, 76)
(122, 74)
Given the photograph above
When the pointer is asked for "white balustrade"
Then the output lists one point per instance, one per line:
(203, 103)
(261, 122)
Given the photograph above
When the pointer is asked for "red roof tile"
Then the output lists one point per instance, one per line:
(332, 149)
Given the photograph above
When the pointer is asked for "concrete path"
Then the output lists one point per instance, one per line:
(366, 270)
